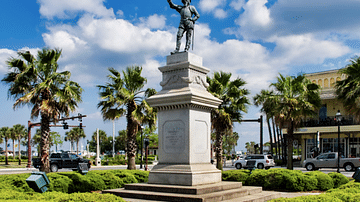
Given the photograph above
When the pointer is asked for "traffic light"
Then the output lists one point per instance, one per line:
(80, 126)
(65, 126)
(146, 142)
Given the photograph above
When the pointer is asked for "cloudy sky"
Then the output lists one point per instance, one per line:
(253, 39)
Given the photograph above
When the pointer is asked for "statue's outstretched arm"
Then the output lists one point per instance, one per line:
(174, 6)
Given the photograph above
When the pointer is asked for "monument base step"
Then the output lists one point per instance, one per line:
(223, 191)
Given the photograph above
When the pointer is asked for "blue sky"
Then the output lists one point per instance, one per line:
(253, 39)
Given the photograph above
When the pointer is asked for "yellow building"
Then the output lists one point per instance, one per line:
(319, 134)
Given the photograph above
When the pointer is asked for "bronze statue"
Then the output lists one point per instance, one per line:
(187, 22)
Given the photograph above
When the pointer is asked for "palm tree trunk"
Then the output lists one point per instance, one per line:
(44, 144)
(6, 152)
(277, 148)
(270, 135)
(132, 128)
(218, 150)
(19, 150)
(14, 149)
(290, 139)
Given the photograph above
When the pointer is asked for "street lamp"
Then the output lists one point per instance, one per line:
(338, 120)
(141, 160)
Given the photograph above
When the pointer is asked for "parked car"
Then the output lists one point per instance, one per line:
(62, 160)
(330, 160)
(262, 161)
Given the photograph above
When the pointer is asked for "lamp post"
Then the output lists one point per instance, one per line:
(338, 119)
(141, 155)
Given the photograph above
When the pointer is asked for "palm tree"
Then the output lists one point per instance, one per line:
(234, 101)
(122, 96)
(21, 132)
(267, 108)
(295, 98)
(348, 90)
(36, 82)
(13, 137)
(5, 133)
(70, 136)
(75, 134)
(250, 147)
(56, 139)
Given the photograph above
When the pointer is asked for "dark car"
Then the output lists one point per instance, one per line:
(62, 160)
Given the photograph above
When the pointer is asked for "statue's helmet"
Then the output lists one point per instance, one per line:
(184, 1)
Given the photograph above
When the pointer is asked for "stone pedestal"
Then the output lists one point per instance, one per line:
(184, 107)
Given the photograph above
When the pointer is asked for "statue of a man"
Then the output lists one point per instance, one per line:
(186, 22)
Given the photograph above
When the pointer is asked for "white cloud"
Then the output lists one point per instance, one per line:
(120, 13)
(237, 4)
(210, 5)
(220, 13)
(154, 22)
(68, 8)
(306, 49)
(215, 7)
(255, 16)
(94, 116)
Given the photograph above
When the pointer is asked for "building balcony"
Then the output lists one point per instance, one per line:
(329, 121)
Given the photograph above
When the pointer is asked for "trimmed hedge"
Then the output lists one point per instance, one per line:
(289, 180)
(349, 192)
(67, 186)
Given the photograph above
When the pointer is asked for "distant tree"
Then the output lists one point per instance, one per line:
(250, 147)
(5, 133)
(13, 137)
(20, 132)
(102, 141)
(56, 139)
(120, 140)
(74, 135)
(230, 141)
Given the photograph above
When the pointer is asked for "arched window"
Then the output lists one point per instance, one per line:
(320, 83)
(332, 82)
(326, 83)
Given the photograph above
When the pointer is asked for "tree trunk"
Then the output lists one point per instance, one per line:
(14, 149)
(276, 140)
(270, 135)
(132, 128)
(218, 150)
(290, 139)
(19, 151)
(6, 152)
(44, 144)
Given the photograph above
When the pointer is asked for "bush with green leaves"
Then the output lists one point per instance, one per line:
(324, 181)
(235, 175)
(338, 179)
(284, 179)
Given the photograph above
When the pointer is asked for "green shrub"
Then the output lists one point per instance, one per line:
(338, 179)
(310, 198)
(235, 175)
(324, 181)
(13, 195)
(59, 183)
(84, 183)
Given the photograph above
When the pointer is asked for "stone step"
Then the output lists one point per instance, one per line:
(257, 197)
(197, 190)
(207, 197)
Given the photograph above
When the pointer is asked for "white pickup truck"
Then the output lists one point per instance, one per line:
(329, 160)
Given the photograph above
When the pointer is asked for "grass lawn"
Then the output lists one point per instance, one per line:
(13, 165)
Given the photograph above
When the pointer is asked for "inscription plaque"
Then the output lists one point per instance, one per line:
(174, 137)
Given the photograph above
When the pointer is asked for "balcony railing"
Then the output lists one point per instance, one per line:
(329, 121)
